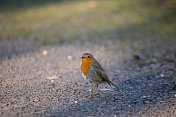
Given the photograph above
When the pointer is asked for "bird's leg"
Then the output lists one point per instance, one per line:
(94, 89)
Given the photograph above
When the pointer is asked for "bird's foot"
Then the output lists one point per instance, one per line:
(90, 96)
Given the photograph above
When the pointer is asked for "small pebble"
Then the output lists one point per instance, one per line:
(144, 97)
(76, 102)
(45, 52)
(162, 75)
(69, 57)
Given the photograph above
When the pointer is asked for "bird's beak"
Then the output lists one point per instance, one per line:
(83, 57)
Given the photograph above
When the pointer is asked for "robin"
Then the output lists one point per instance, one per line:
(93, 72)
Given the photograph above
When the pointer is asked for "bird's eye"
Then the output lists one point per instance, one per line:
(88, 56)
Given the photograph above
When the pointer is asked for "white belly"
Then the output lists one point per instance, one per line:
(84, 76)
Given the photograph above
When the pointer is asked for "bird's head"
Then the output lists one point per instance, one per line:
(87, 57)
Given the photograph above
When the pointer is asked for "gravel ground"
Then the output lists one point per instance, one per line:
(144, 84)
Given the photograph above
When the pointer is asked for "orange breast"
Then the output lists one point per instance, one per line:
(85, 66)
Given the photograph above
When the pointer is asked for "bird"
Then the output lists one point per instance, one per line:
(92, 71)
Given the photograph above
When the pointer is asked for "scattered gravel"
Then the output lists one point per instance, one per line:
(144, 84)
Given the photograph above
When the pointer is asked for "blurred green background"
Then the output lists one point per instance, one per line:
(58, 22)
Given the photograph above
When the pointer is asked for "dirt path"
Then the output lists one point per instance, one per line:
(145, 88)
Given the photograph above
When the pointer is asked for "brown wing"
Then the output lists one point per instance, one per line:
(101, 73)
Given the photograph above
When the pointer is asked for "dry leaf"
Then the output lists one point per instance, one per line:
(92, 4)
(52, 77)
(136, 57)
(102, 48)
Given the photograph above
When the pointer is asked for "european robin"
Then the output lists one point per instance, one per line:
(93, 72)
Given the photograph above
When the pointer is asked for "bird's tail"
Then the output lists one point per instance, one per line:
(114, 85)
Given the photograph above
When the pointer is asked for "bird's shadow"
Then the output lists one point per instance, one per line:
(137, 93)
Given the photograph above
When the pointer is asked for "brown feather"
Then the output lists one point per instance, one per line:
(101, 73)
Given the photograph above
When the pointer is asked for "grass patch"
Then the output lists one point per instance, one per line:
(80, 21)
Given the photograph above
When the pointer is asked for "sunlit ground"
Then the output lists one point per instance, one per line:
(77, 21)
